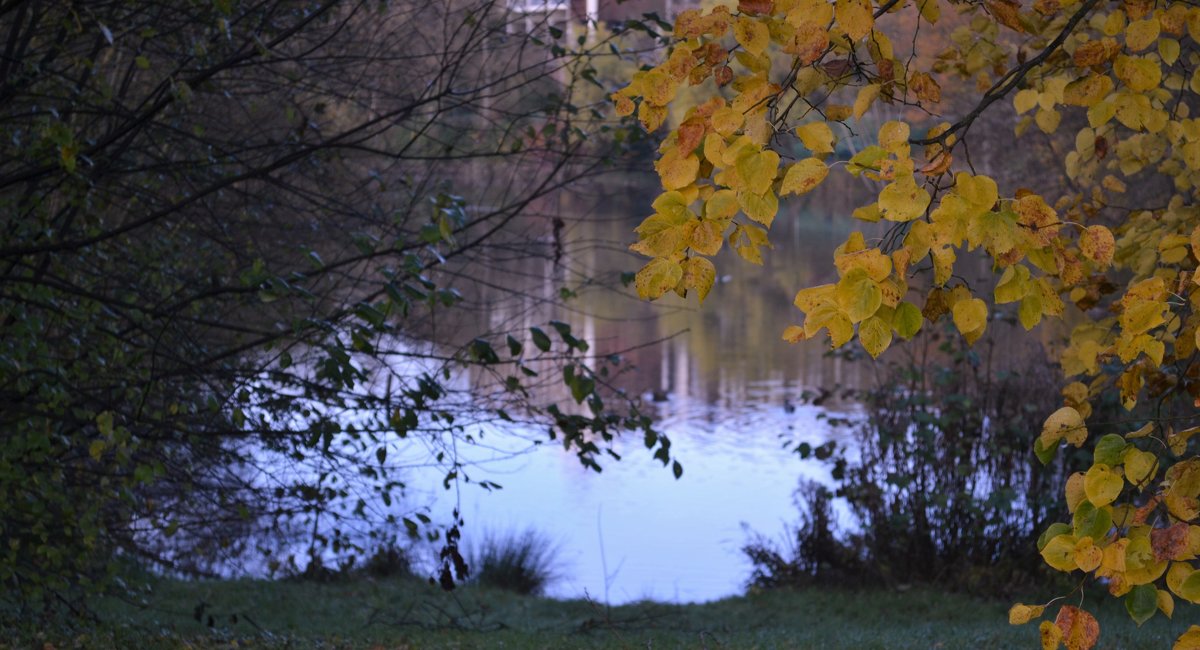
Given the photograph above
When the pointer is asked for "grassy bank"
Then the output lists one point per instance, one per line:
(399, 613)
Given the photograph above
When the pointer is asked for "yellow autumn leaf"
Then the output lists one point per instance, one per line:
(1189, 640)
(854, 17)
(1059, 553)
(893, 137)
(1141, 34)
(803, 176)
(817, 137)
(757, 170)
(1102, 485)
(858, 296)
(1074, 491)
(709, 235)
(1165, 603)
(875, 334)
(658, 277)
(1087, 555)
(658, 87)
(1021, 614)
(903, 200)
(725, 121)
(1025, 100)
(699, 275)
(1139, 74)
(1063, 423)
(862, 102)
(794, 334)
(752, 34)
(877, 265)
(969, 315)
(1139, 466)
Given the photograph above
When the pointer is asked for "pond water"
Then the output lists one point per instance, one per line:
(730, 395)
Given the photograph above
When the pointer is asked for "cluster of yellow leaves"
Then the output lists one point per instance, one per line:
(1126, 72)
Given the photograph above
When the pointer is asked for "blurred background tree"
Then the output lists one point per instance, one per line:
(242, 255)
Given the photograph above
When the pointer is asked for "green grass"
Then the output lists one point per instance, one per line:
(405, 613)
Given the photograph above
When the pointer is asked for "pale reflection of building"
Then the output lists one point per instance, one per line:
(561, 14)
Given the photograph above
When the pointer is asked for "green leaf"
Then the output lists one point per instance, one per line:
(907, 320)
(1090, 521)
(540, 339)
(1109, 450)
(514, 346)
(1055, 529)
(1045, 453)
(1141, 603)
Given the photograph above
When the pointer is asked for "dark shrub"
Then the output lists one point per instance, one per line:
(941, 479)
(524, 563)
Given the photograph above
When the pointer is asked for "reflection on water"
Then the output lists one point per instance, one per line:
(731, 389)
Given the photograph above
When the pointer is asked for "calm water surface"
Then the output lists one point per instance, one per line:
(732, 390)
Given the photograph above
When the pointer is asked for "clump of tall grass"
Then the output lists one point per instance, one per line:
(525, 562)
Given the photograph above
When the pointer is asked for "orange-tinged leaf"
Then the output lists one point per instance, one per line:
(651, 116)
(810, 42)
(1170, 543)
(1096, 52)
(1080, 629)
(624, 105)
(756, 6)
(926, 89)
(1087, 91)
(1051, 635)
(1007, 13)
(1097, 244)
